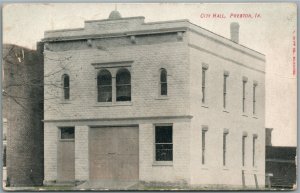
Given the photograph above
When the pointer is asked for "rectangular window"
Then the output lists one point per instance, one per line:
(244, 96)
(253, 150)
(224, 91)
(67, 133)
(66, 86)
(203, 85)
(203, 145)
(254, 98)
(243, 150)
(163, 143)
(4, 155)
(163, 82)
(224, 148)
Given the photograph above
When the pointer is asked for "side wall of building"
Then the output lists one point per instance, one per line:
(205, 52)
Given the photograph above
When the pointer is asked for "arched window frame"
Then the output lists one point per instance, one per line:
(105, 88)
(66, 86)
(123, 85)
(163, 82)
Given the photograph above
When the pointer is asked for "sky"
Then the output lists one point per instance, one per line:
(270, 31)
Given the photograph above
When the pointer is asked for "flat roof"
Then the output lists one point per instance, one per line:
(143, 29)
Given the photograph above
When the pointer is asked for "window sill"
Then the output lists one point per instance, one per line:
(204, 106)
(162, 163)
(254, 117)
(65, 102)
(103, 104)
(225, 111)
(162, 98)
(110, 104)
(244, 115)
(66, 140)
(225, 168)
(123, 103)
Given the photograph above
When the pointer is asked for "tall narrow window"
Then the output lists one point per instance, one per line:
(4, 155)
(225, 133)
(225, 88)
(204, 130)
(253, 150)
(243, 149)
(203, 84)
(104, 81)
(254, 98)
(123, 84)
(244, 94)
(66, 86)
(163, 143)
(163, 82)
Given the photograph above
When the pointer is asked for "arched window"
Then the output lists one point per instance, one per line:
(163, 82)
(104, 86)
(66, 86)
(123, 83)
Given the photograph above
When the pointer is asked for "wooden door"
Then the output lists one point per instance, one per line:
(66, 161)
(114, 153)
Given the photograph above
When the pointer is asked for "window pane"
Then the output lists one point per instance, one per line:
(203, 147)
(163, 134)
(104, 81)
(123, 77)
(67, 133)
(163, 75)
(67, 93)
(164, 89)
(104, 78)
(123, 85)
(124, 93)
(164, 146)
(66, 81)
(66, 86)
(4, 156)
(164, 154)
(104, 93)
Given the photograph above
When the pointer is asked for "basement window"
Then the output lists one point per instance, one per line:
(67, 133)
(164, 143)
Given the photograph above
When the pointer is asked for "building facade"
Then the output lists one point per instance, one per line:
(160, 102)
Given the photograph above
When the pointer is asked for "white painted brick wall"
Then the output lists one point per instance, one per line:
(180, 170)
(50, 152)
(81, 153)
(148, 59)
(216, 119)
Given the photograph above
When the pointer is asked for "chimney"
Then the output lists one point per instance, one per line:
(234, 32)
(269, 136)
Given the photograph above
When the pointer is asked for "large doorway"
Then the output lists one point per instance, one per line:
(113, 153)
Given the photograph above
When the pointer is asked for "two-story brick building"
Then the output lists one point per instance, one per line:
(159, 102)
